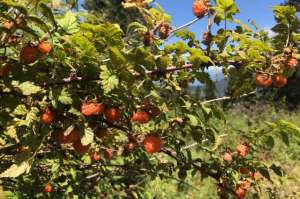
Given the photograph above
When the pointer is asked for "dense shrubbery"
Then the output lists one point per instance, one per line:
(92, 107)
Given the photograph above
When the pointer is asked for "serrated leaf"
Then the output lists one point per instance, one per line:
(16, 170)
(116, 57)
(11, 132)
(65, 97)
(88, 136)
(69, 23)
(20, 110)
(108, 80)
(28, 88)
(39, 22)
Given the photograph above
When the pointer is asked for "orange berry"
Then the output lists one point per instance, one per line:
(199, 8)
(89, 108)
(292, 63)
(141, 117)
(72, 137)
(95, 156)
(28, 55)
(227, 157)
(80, 148)
(152, 144)
(45, 47)
(263, 80)
(47, 116)
(245, 185)
(241, 193)
(280, 81)
(242, 149)
(148, 39)
(112, 114)
(48, 188)
(9, 25)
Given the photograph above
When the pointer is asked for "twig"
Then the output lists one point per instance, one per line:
(227, 98)
(185, 25)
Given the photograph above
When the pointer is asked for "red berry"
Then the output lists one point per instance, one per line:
(80, 148)
(199, 8)
(153, 144)
(45, 47)
(109, 154)
(72, 137)
(164, 31)
(101, 133)
(263, 80)
(241, 193)
(28, 55)
(95, 156)
(292, 62)
(244, 171)
(4, 70)
(48, 188)
(141, 117)
(90, 108)
(245, 185)
(112, 114)
(47, 116)
(280, 81)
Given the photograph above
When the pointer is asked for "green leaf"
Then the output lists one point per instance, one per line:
(116, 57)
(20, 110)
(88, 136)
(69, 23)
(193, 120)
(39, 22)
(16, 170)
(65, 97)
(28, 88)
(108, 80)
(46, 11)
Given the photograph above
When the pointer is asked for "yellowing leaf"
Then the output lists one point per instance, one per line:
(16, 170)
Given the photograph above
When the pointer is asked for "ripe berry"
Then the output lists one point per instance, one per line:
(4, 70)
(101, 133)
(45, 47)
(164, 31)
(263, 80)
(48, 188)
(148, 40)
(244, 171)
(72, 137)
(241, 193)
(89, 109)
(245, 185)
(141, 117)
(280, 81)
(227, 157)
(242, 149)
(112, 114)
(47, 116)
(28, 55)
(199, 8)
(108, 154)
(292, 63)
(9, 25)
(95, 156)
(80, 148)
(129, 147)
(153, 144)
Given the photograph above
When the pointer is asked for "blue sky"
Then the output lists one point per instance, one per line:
(258, 10)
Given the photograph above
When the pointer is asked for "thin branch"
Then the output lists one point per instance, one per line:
(227, 98)
(185, 25)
